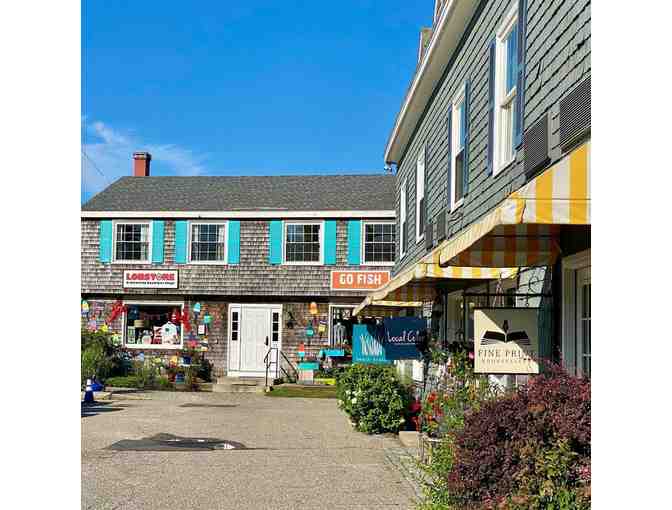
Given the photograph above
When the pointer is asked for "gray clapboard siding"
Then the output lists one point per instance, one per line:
(558, 58)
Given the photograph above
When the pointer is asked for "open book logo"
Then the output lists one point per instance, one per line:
(493, 337)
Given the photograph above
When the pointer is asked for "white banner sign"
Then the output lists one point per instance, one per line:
(506, 341)
(139, 279)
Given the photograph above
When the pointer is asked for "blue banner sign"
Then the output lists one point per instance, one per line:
(397, 338)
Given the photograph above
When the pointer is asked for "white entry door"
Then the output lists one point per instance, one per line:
(253, 330)
(254, 338)
(583, 320)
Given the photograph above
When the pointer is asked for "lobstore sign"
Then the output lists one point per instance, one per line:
(138, 279)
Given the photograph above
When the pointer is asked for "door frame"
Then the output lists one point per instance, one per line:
(272, 307)
(570, 267)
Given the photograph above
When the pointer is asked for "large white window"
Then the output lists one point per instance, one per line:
(420, 196)
(153, 325)
(303, 242)
(132, 242)
(207, 242)
(458, 138)
(403, 215)
(378, 245)
(506, 71)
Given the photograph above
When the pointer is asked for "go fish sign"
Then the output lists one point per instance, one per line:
(397, 338)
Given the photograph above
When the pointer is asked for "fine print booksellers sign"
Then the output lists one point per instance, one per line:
(506, 340)
(394, 339)
(359, 280)
(140, 279)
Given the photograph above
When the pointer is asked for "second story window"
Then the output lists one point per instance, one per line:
(132, 242)
(458, 144)
(378, 243)
(303, 243)
(420, 205)
(506, 71)
(208, 242)
(403, 228)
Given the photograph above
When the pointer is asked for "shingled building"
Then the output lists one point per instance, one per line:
(254, 262)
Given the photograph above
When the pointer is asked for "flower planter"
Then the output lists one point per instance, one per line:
(427, 446)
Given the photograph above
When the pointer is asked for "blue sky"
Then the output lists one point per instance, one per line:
(243, 87)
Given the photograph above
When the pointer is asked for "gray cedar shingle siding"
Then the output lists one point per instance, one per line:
(248, 193)
(254, 276)
(558, 58)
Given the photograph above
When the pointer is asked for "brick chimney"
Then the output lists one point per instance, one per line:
(141, 164)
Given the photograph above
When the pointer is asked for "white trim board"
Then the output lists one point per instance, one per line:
(275, 214)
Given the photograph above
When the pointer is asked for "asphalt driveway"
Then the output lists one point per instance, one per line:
(233, 451)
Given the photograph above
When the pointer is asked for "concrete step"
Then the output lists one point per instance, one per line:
(250, 381)
(237, 388)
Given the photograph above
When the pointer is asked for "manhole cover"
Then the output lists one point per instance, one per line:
(170, 442)
(209, 405)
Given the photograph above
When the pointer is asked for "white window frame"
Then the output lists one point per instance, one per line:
(150, 241)
(403, 217)
(132, 302)
(420, 183)
(284, 243)
(502, 100)
(363, 243)
(571, 353)
(226, 243)
(460, 98)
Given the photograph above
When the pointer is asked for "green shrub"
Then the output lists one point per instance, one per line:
(100, 356)
(94, 362)
(162, 383)
(128, 381)
(373, 397)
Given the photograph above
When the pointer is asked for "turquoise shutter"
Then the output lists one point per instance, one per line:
(181, 239)
(449, 145)
(234, 242)
(520, 78)
(354, 242)
(330, 242)
(275, 242)
(105, 243)
(491, 108)
(465, 119)
(158, 230)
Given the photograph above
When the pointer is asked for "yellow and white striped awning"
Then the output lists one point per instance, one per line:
(417, 285)
(523, 230)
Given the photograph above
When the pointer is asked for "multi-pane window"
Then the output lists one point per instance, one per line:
(132, 242)
(585, 329)
(403, 229)
(458, 144)
(378, 242)
(235, 325)
(506, 73)
(208, 242)
(302, 242)
(275, 327)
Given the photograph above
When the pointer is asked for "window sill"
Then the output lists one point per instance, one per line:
(419, 239)
(457, 205)
(367, 263)
(132, 262)
(208, 263)
(505, 166)
(303, 264)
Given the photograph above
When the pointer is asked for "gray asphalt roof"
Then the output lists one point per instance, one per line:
(247, 193)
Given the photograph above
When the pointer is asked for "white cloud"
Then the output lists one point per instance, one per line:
(111, 151)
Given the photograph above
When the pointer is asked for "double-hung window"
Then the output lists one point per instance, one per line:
(132, 241)
(506, 73)
(379, 243)
(458, 145)
(207, 243)
(420, 196)
(303, 243)
(403, 214)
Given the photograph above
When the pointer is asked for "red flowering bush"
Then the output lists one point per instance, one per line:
(527, 449)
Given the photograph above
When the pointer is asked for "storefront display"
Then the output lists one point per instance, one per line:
(154, 325)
